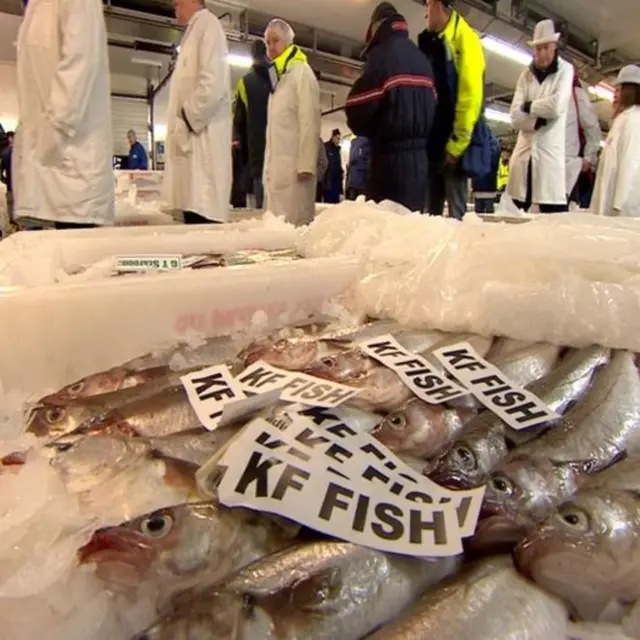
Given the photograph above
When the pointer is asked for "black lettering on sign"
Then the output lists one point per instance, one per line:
(396, 488)
(463, 510)
(294, 385)
(301, 455)
(216, 414)
(371, 474)
(385, 349)
(418, 525)
(489, 381)
(257, 471)
(319, 415)
(360, 518)
(419, 496)
(492, 392)
(413, 364)
(332, 500)
(527, 413)
(260, 377)
(338, 453)
(265, 440)
(425, 382)
(445, 393)
(372, 449)
(338, 473)
(315, 391)
(310, 439)
(389, 515)
(288, 481)
(338, 396)
(509, 399)
(341, 430)
(203, 385)
(462, 359)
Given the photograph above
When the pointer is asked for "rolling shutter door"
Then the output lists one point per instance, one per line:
(129, 114)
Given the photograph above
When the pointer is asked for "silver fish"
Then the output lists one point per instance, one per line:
(488, 602)
(317, 591)
(527, 365)
(486, 439)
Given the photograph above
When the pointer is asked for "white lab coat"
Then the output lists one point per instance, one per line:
(198, 174)
(64, 148)
(546, 146)
(617, 190)
(293, 136)
(593, 134)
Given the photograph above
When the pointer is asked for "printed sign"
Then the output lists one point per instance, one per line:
(417, 373)
(265, 470)
(513, 404)
(149, 263)
(295, 387)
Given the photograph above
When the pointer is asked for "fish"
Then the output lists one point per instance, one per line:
(181, 546)
(541, 475)
(588, 552)
(421, 429)
(317, 591)
(489, 601)
(486, 439)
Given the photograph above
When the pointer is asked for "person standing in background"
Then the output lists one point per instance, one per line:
(392, 104)
(62, 160)
(617, 190)
(250, 117)
(138, 160)
(293, 129)
(539, 111)
(334, 178)
(457, 57)
(485, 188)
(358, 169)
(503, 172)
(583, 144)
(323, 165)
(5, 173)
(198, 174)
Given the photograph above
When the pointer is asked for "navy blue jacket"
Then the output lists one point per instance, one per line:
(5, 168)
(138, 160)
(393, 104)
(488, 183)
(359, 164)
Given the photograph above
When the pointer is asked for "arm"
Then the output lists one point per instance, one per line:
(365, 99)
(72, 83)
(144, 160)
(521, 120)
(470, 94)
(551, 107)
(211, 87)
(308, 119)
(591, 126)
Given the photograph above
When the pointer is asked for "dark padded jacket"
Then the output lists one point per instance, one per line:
(393, 104)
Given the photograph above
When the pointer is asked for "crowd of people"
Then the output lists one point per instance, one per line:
(417, 112)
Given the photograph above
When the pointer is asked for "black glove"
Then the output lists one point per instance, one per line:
(541, 122)
(526, 107)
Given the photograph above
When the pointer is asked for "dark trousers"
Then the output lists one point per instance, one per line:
(73, 225)
(450, 185)
(191, 217)
(258, 192)
(332, 195)
(544, 208)
(485, 205)
(354, 194)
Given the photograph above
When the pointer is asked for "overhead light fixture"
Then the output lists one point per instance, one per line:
(506, 50)
(497, 116)
(147, 62)
(239, 60)
(602, 91)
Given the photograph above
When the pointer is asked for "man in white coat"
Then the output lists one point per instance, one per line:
(539, 112)
(199, 172)
(293, 129)
(583, 144)
(63, 149)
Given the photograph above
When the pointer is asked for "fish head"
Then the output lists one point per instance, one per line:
(588, 550)
(417, 428)
(93, 385)
(470, 460)
(342, 366)
(54, 420)
(291, 354)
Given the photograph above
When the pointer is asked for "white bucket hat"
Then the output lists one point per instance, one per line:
(544, 33)
(629, 75)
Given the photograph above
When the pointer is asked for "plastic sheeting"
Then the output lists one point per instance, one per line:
(570, 279)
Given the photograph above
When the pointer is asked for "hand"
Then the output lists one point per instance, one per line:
(450, 160)
(586, 166)
(303, 177)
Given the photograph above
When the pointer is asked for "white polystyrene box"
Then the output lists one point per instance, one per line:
(51, 336)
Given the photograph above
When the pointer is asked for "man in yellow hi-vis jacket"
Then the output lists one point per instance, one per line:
(457, 57)
(503, 171)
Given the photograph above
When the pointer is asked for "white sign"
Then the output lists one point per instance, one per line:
(149, 263)
(295, 387)
(267, 471)
(514, 405)
(417, 373)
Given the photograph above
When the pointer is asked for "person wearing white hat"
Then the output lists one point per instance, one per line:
(539, 111)
(617, 190)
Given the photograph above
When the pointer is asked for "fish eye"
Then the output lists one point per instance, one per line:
(55, 415)
(78, 387)
(465, 457)
(574, 519)
(62, 447)
(328, 361)
(501, 484)
(157, 526)
(397, 422)
(281, 345)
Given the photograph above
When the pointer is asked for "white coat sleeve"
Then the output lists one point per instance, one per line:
(591, 126)
(212, 84)
(551, 107)
(308, 120)
(72, 83)
(628, 143)
(521, 120)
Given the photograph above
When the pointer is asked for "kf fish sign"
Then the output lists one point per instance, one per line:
(513, 404)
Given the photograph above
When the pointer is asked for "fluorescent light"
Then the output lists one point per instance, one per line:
(239, 60)
(602, 91)
(147, 62)
(497, 116)
(506, 50)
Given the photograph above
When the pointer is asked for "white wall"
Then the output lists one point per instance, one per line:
(8, 96)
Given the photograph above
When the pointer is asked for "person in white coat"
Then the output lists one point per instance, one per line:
(539, 112)
(583, 144)
(63, 148)
(199, 168)
(617, 190)
(293, 129)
